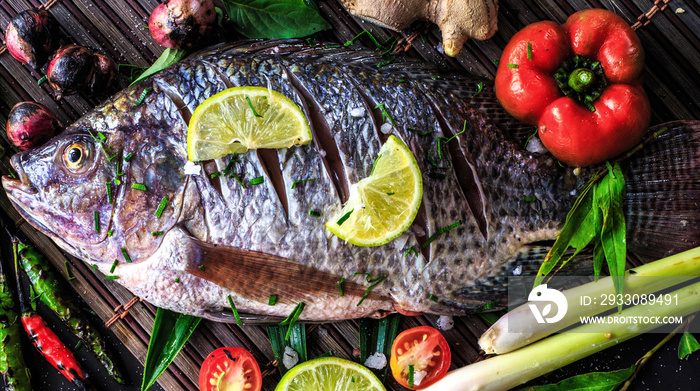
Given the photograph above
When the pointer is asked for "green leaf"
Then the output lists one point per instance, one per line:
(687, 345)
(168, 58)
(170, 332)
(594, 381)
(608, 197)
(274, 18)
(297, 341)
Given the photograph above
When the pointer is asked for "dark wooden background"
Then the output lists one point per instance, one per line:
(118, 28)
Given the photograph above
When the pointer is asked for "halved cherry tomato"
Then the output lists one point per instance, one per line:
(424, 348)
(230, 369)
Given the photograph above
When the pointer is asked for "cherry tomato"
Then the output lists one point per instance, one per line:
(424, 348)
(230, 369)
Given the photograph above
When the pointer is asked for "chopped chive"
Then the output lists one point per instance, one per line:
(529, 51)
(102, 137)
(386, 62)
(112, 277)
(109, 158)
(117, 182)
(68, 273)
(139, 186)
(418, 132)
(202, 268)
(352, 379)
(391, 193)
(94, 266)
(257, 181)
(177, 280)
(235, 311)
(529, 199)
(42, 80)
(78, 345)
(478, 90)
(109, 192)
(114, 266)
(272, 300)
(411, 250)
(121, 174)
(292, 318)
(340, 286)
(442, 231)
(143, 96)
(161, 207)
(128, 157)
(252, 107)
(375, 164)
(369, 288)
(302, 181)
(97, 221)
(215, 175)
(363, 32)
(240, 182)
(433, 298)
(410, 375)
(110, 232)
(127, 258)
(496, 62)
(229, 165)
(512, 65)
(157, 233)
(402, 80)
(345, 217)
(435, 77)
(13, 174)
(314, 213)
(385, 114)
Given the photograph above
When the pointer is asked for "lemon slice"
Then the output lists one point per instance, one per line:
(329, 374)
(383, 205)
(242, 118)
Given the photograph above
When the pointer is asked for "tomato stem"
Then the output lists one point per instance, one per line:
(581, 79)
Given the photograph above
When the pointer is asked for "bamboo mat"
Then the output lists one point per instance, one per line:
(669, 30)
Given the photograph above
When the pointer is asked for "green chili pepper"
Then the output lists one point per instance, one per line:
(12, 367)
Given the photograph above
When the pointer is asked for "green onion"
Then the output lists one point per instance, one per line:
(369, 288)
(70, 276)
(114, 266)
(272, 300)
(386, 62)
(314, 213)
(202, 268)
(402, 80)
(480, 87)
(433, 298)
(215, 175)
(240, 182)
(177, 280)
(363, 32)
(391, 193)
(127, 258)
(345, 217)
(161, 207)
(512, 65)
(252, 108)
(235, 311)
(291, 319)
(442, 231)
(143, 96)
(229, 165)
(411, 250)
(302, 181)
(78, 345)
(496, 62)
(111, 277)
(340, 286)
(128, 157)
(117, 182)
(375, 164)
(102, 137)
(529, 199)
(257, 181)
(109, 192)
(435, 77)
(42, 80)
(385, 114)
(139, 186)
(157, 233)
(94, 266)
(410, 375)
(110, 232)
(97, 221)
(529, 51)
(13, 174)
(352, 379)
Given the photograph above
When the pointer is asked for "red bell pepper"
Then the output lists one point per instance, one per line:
(580, 83)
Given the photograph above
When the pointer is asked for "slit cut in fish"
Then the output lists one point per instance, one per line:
(371, 106)
(224, 79)
(271, 165)
(182, 108)
(323, 138)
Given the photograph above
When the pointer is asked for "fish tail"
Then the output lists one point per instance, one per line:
(662, 202)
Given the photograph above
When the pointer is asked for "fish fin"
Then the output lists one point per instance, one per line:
(662, 201)
(257, 276)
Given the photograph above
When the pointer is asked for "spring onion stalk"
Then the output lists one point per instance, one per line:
(676, 268)
(512, 369)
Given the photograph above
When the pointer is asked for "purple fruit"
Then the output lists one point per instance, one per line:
(182, 24)
(30, 125)
(32, 36)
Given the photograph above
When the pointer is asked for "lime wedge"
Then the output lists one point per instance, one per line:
(329, 374)
(382, 206)
(242, 118)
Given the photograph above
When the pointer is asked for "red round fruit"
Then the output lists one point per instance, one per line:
(230, 369)
(426, 350)
(30, 125)
(31, 36)
(182, 24)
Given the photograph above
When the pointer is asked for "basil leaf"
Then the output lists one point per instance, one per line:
(594, 381)
(687, 345)
(170, 332)
(274, 18)
(168, 58)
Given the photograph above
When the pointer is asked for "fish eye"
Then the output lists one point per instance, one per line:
(75, 156)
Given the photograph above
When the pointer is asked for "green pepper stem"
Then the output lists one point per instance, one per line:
(581, 79)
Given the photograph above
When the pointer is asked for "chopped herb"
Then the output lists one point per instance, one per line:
(418, 132)
(433, 298)
(410, 375)
(435, 77)
(369, 288)
(143, 96)
(375, 164)
(442, 231)
(496, 62)
(529, 51)
(229, 165)
(512, 65)
(128, 157)
(314, 213)
(235, 311)
(117, 182)
(139, 186)
(161, 207)
(402, 80)
(13, 174)
(121, 174)
(255, 113)
(114, 266)
(97, 221)
(202, 268)
(112, 277)
(78, 345)
(42, 80)
(102, 137)
(385, 114)
(352, 379)
(109, 192)
(345, 217)
(480, 87)
(94, 266)
(291, 319)
(411, 250)
(127, 258)
(340, 286)
(177, 280)
(302, 181)
(157, 233)
(68, 273)
(272, 300)
(390, 193)
(110, 232)
(257, 181)
(215, 175)
(529, 199)
(240, 182)
(386, 62)
(363, 32)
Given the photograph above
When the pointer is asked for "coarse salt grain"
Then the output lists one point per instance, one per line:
(192, 169)
(376, 361)
(445, 322)
(290, 357)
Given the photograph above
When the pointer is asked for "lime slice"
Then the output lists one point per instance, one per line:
(242, 118)
(383, 205)
(329, 374)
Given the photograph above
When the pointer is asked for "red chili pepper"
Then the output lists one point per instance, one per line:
(580, 83)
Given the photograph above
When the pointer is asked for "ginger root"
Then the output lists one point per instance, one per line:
(458, 19)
